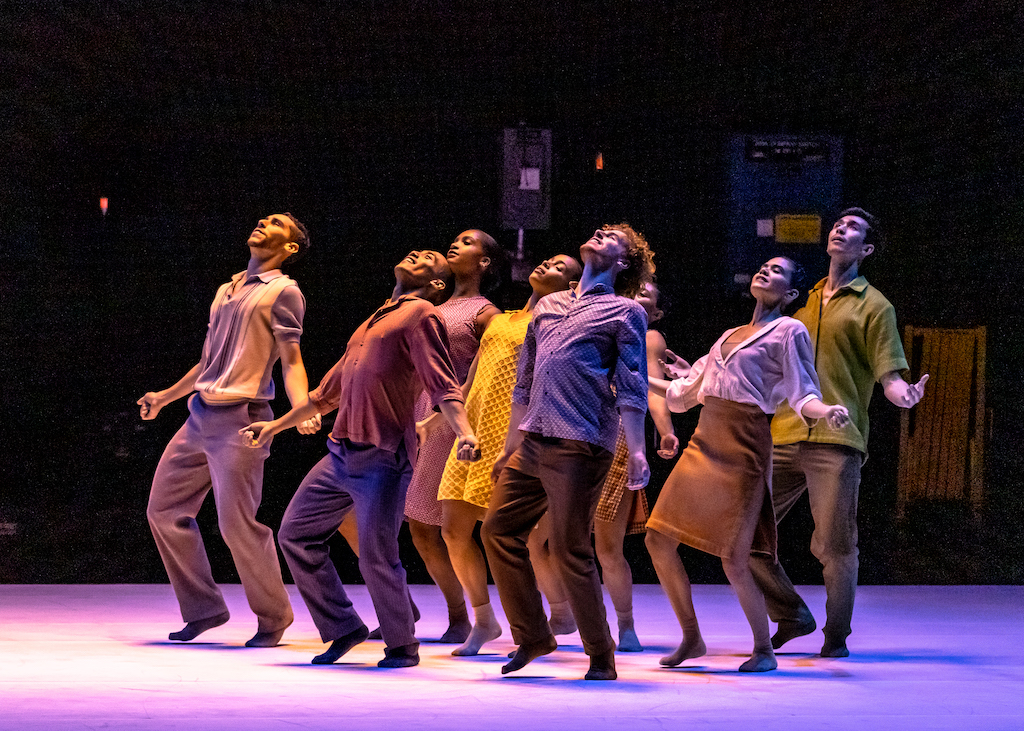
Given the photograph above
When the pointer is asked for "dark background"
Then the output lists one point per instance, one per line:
(378, 125)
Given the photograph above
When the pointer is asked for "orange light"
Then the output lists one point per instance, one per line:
(599, 161)
(103, 205)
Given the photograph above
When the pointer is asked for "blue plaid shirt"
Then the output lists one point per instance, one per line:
(584, 357)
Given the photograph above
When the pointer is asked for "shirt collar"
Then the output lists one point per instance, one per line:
(599, 288)
(858, 285)
(265, 277)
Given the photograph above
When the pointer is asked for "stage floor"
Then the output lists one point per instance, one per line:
(76, 657)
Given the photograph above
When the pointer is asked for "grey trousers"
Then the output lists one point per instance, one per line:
(373, 482)
(207, 453)
(563, 477)
(830, 474)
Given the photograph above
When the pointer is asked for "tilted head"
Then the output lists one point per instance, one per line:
(555, 274)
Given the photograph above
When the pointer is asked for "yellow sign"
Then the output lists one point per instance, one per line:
(791, 229)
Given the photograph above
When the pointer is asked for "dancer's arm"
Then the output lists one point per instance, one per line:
(669, 443)
(639, 472)
(151, 403)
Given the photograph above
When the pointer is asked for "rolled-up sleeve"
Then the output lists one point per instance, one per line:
(327, 395)
(630, 376)
(684, 393)
(800, 380)
(428, 348)
(885, 349)
(286, 315)
(524, 369)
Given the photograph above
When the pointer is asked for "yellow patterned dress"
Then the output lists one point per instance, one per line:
(489, 407)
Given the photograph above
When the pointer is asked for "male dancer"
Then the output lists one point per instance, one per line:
(582, 366)
(856, 343)
(401, 350)
(256, 318)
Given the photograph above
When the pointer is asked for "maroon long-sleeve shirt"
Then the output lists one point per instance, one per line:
(400, 350)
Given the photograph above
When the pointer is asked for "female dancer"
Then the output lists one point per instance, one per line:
(622, 512)
(718, 496)
(475, 260)
(465, 493)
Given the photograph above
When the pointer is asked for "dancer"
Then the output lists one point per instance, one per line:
(855, 344)
(582, 368)
(465, 489)
(718, 497)
(399, 351)
(476, 261)
(255, 319)
(622, 512)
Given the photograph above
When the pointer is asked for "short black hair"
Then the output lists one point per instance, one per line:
(874, 234)
(302, 241)
(798, 279)
(497, 272)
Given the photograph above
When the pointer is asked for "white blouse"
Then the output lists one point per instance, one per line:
(776, 363)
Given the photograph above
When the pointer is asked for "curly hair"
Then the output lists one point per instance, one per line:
(640, 258)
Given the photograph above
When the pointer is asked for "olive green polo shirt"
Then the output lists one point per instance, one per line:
(855, 343)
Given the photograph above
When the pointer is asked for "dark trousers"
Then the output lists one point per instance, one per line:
(373, 482)
(830, 474)
(207, 453)
(563, 477)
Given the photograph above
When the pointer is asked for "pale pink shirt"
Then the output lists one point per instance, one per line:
(249, 320)
(773, 365)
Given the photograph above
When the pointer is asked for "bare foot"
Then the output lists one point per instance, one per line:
(193, 629)
(481, 634)
(687, 650)
(761, 661)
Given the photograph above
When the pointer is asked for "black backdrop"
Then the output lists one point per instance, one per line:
(378, 124)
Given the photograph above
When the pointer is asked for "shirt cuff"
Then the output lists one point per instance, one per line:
(799, 409)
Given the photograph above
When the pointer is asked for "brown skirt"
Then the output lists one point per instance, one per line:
(718, 497)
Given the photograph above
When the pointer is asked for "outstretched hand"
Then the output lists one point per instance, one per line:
(674, 366)
(905, 395)
(669, 446)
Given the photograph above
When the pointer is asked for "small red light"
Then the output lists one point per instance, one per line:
(103, 205)
(599, 161)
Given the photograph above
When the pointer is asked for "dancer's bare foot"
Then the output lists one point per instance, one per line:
(761, 661)
(527, 653)
(688, 649)
(193, 629)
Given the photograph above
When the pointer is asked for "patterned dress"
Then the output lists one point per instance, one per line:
(614, 492)
(459, 317)
(489, 407)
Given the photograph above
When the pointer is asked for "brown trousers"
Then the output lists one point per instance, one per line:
(564, 478)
